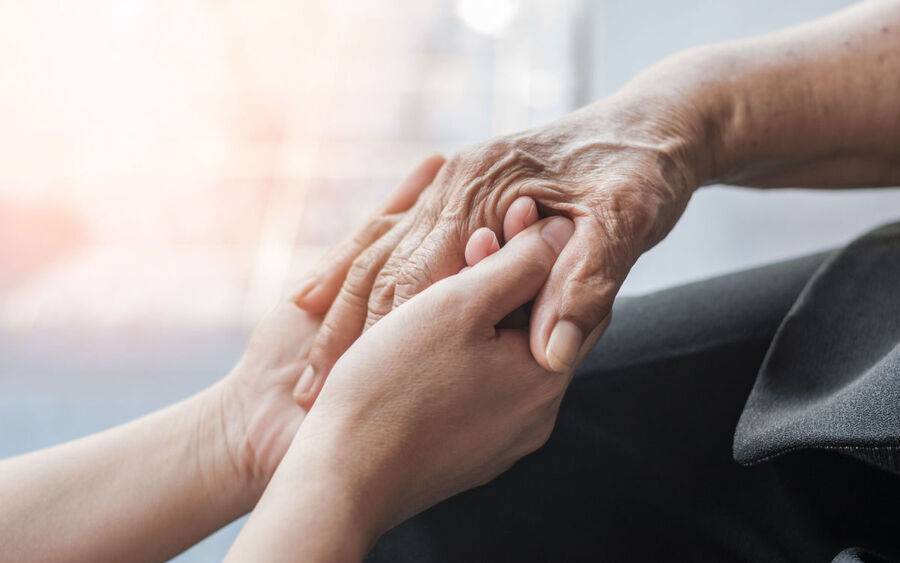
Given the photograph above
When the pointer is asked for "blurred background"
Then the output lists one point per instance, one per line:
(169, 169)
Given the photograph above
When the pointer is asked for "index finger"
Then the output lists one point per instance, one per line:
(319, 291)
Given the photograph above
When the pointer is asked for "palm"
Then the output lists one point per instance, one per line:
(265, 414)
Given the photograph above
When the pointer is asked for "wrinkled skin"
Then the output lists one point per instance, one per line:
(622, 177)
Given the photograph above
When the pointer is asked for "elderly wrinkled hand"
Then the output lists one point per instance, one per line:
(622, 176)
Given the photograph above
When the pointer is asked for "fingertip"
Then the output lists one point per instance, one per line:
(305, 287)
(429, 167)
(539, 330)
(481, 244)
(405, 195)
(522, 213)
(314, 298)
(303, 389)
(495, 244)
(436, 160)
(563, 346)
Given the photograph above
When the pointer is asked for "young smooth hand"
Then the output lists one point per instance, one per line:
(432, 400)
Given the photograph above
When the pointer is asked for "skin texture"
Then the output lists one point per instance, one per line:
(813, 106)
(445, 406)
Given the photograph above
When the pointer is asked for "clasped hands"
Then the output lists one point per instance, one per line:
(432, 400)
(406, 350)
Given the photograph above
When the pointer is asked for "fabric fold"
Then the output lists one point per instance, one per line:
(831, 378)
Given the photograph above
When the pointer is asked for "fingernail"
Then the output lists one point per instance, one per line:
(557, 232)
(305, 383)
(563, 346)
(532, 211)
(495, 244)
(304, 290)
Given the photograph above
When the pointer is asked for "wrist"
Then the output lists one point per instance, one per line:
(687, 102)
(316, 507)
(215, 438)
(325, 461)
(335, 520)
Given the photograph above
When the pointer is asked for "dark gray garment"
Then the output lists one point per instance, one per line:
(831, 378)
(640, 466)
(856, 555)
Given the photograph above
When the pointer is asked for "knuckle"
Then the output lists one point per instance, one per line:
(537, 264)
(627, 216)
(455, 296)
(381, 300)
(451, 300)
(603, 259)
(598, 286)
(351, 295)
(365, 263)
(415, 276)
(589, 299)
(382, 295)
(386, 278)
(362, 274)
(485, 175)
(427, 264)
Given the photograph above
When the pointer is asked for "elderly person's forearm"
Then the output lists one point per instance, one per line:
(811, 106)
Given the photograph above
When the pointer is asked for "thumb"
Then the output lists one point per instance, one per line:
(574, 306)
(512, 276)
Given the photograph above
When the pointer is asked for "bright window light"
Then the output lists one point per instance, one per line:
(490, 17)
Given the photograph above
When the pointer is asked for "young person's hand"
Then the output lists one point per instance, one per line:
(259, 407)
(432, 400)
(256, 407)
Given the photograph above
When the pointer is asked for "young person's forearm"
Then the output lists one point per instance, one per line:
(311, 511)
(814, 106)
(143, 491)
